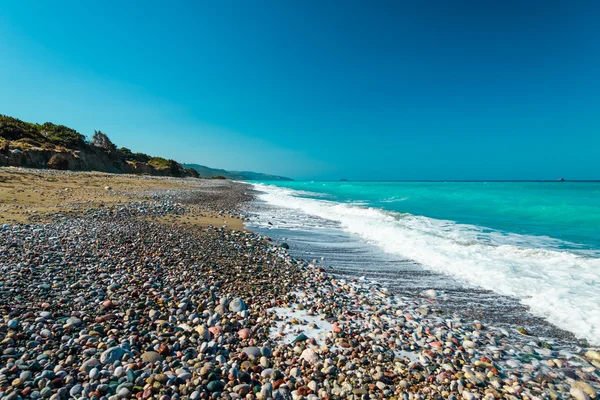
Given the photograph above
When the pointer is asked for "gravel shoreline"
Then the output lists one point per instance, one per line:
(109, 303)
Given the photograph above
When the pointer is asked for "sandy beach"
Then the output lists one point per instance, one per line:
(120, 286)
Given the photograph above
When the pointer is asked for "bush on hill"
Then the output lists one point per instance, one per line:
(38, 135)
(17, 134)
(160, 163)
(62, 135)
(130, 156)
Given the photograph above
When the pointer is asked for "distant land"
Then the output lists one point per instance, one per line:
(47, 145)
(207, 172)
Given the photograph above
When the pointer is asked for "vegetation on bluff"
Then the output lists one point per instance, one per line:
(26, 136)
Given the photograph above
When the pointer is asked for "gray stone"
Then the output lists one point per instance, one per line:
(113, 354)
(252, 352)
(151, 357)
(74, 321)
(237, 305)
(75, 390)
(89, 364)
(265, 351)
(94, 373)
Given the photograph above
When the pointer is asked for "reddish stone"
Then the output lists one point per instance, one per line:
(245, 333)
(303, 391)
(215, 330)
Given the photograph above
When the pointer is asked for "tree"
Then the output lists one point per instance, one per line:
(102, 141)
(126, 153)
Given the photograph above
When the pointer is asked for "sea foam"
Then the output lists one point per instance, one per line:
(559, 285)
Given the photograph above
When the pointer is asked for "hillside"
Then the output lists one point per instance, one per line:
(47, 145)
(207, 172)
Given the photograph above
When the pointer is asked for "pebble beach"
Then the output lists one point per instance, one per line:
(156, 291)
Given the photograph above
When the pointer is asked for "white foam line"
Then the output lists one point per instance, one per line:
(313, 326)
(561, 286)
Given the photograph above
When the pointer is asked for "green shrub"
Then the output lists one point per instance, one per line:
(130, 156)
(159, 163)
(62, 135)
(15, 129)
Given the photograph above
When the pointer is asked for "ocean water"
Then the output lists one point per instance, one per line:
(538, 242)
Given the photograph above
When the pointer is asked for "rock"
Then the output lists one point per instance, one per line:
(309, 356)
(543, 378)
(523, 331)
(215, 386)
(468, 395)
(579, 394)
(252, 352)
(265, 351)
(237, 305)
(152, 357)
(58, 161)
(203, 331)
(468, 344)
(586, 388)
(184, 376)
(221, 309)
(245, 333)
(300, 338)
(242, 389)
(74, 321)
(94, 373)
(267, 390)
(285, 246)
(89, 364)
(75, 390)
(112, 354)
(593, 355)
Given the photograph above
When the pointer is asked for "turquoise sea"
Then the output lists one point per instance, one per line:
(537, 241)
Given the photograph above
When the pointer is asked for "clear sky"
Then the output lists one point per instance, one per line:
(317, 89)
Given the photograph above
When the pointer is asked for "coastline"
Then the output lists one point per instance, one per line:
(348, 256)
(128, 292)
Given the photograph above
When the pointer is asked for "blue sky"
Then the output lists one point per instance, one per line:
(318, 89)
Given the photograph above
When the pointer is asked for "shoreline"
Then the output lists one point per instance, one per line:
(347, 256)
(137, 298)
(450, 253)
